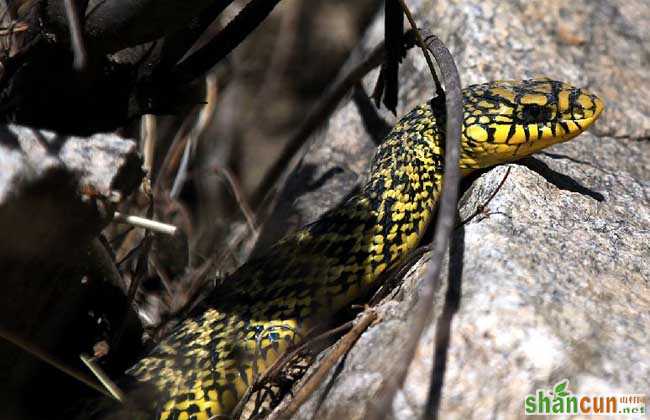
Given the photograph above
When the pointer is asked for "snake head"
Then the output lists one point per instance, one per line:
(508, 120)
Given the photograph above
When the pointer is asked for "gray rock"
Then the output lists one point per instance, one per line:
(554, 278)
(56, 195)
(52, 189)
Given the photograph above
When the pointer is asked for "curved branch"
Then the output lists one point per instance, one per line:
(444, 223)
(112, 25)
(224, 42)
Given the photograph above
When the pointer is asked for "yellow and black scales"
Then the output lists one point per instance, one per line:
(203, 368)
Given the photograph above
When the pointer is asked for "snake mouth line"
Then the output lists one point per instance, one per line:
(582, 124)
(585, 123)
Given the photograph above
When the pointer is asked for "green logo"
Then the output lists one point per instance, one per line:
(557, 401)
(560, 400)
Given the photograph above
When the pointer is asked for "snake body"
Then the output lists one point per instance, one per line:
(204, 367)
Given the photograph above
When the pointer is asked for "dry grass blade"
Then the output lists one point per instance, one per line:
(116, 392)
(192, 138)
(203, 59)
(286, 411)
(144, 223)
(50, 360)
(393, 32)
(239, 197)
(285, 360)
(314, 120)
(148, 134)
(76, 35)
(420, 42)
(18, 27)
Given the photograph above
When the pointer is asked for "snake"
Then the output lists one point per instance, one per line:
(205, 366)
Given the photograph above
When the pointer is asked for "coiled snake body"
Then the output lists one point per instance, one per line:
(203, 368)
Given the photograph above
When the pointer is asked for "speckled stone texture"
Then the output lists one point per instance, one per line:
(43, 178)
(554, 280)
(55, 194)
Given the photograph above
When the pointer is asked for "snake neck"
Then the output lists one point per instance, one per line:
(323, 267)
(344, 253)
(406, 182)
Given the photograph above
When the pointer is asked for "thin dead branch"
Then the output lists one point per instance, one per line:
(148, 134)
(76, 35)
(193, 136)
(144, 223)
(286, 411)
(316, 117)
(239, 197)
(201, 61)
(180, 43)
(444, 224)
(423, 47)
(395, 51)
(114, 390)
(52, 361)
(480, 209)
(14, 28)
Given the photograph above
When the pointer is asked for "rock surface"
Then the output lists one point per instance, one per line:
(42, 183)
(55, 196)
(553, 281)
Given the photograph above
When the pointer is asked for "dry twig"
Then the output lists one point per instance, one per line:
(444, 223)
(116, 392)
(481, 207)
(239, 197)
(285, 411)
(148, 134)
(193, 136)
(144, 223)
(50, 360)
(316, 117)
(203, 59)
(76, 36)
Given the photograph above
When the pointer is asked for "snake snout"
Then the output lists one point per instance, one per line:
(507, 120)
(579, 106)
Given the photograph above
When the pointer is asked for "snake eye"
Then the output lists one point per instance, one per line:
(534, 113)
